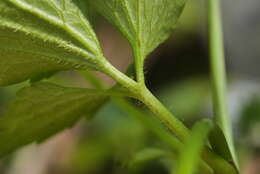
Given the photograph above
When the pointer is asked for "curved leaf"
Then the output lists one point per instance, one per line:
(44, 37)
(22, 57)
(43, 109)
(145, 23)
(66, 15)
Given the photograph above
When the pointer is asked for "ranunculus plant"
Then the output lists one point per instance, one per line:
(41, 37)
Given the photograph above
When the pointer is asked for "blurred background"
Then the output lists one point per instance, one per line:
(113, 142)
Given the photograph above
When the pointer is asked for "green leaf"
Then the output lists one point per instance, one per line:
(22, 58)
(43, 109)
(42, 37)
(145, 23)
(66, 15)
(192, 149)
(219, 143)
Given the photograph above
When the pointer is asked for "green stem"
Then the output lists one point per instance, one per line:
(120, 77)
(217, 62)
(163, 114)
(157, 129)
(139, 66)
(218, 164)
(218, 73)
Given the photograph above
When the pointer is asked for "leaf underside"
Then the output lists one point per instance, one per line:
(145, 23)
(43, 37)
(42, 110)
(220, 144)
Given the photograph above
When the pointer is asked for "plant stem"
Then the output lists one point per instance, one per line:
(175, 126)
(120, 77)
(140, 92)
(139, 66)
(217, 62)
(158, 130)
(218, 73)
(218, 164)
(163, 114)
(155, 127)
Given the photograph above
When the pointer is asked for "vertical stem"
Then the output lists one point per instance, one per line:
(120, 77)
(139, 65)
(218, 72)
(217, 63)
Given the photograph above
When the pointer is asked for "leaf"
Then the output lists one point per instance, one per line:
(219, 143)
(43, 109)
(66, 15)
(44, 37)
(192, 149)
(23, 58)
(145, 23)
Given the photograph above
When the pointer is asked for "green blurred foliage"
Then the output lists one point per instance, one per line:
(188, 98)
(250, 116)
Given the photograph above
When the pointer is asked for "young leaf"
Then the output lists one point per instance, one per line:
(145, 23)
(42, 110)
(48, 37)
(192, 149)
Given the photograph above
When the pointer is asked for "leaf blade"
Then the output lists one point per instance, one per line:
(30, 118)
(64, 47)
(25, 58)
(66, 15)
(145, 23)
